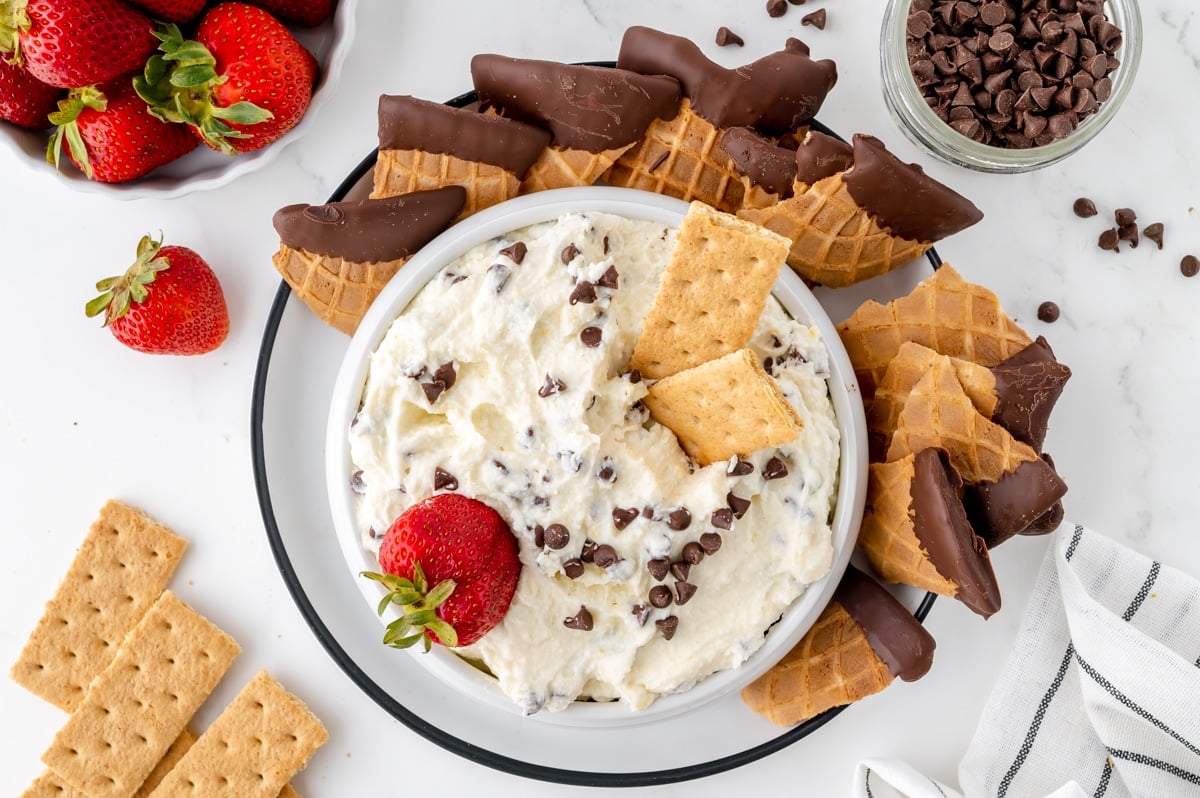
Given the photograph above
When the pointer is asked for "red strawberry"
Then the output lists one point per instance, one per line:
(308, 13)
(465, 549)
(71, 43)
(171, 10)
(25, 100)
(243, 83)
(114, 138)
(168, 303)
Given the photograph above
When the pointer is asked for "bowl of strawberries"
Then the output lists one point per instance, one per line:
(159, 98)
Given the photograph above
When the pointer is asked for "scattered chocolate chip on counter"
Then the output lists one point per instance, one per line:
(1048, 312)
(1154, 232)
(797, 2)
(726, 37)
(776, 8)
(1084, 208)
(1110, 240)
(1124, 216)
(1189, 266)
(816, 19)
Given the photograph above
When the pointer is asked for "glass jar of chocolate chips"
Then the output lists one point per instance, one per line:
(1007, 85)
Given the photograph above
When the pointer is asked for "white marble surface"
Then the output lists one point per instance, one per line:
(82, 419)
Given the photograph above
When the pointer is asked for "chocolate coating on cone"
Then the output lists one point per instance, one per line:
(766, 164)
(1011, 504)
(1025, 395)
(940, 524)
(372, 230)
(820, 156)
(584, 107)
(1035, 352)
(1050, 520)
(904, 200)
(895, 635)
(777, 93)
(406, 123)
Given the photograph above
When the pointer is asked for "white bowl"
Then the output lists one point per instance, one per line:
(203, 169)
(497, 221)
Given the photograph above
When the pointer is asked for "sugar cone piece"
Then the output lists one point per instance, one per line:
(337, 290)
(834, 241)
(943, 312)
(905, 370)
(563, 168)
(404, 171)
(939, 414)
(832, 665)
(915, 531)
(681, 158)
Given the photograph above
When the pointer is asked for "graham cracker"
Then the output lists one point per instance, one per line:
(725, 407)
(121, 568)
(712, 292)
(49, 785)
(259, 741)
(137, 707)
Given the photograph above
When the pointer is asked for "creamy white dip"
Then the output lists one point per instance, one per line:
(549, 430)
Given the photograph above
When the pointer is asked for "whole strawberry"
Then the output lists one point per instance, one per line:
(171, 10)
(113, 137)
(25, 100)
(308, 13)
(241, 84)
(71, 43)
(168, 303)
(463, 548)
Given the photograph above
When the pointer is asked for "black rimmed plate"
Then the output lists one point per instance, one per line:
(298, 362)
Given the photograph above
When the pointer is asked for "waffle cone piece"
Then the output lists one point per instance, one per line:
(337, 290)
(565, 167)
(681, 158)
(915, 531)
(943, 312)
(862, 640)
(834, 241)
(404, 171)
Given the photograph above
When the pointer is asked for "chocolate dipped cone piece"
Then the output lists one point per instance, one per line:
(943, 312)
(681, 157)
(864, 221)
(424, 145)
(1017, 397)
(337, 257)
(916, 531)
(1012, 485)
(861, 642)
(594, 114)
(771, 172)
(1050, 520)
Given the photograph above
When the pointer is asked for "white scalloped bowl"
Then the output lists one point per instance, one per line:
(203, 169)
(497, 221)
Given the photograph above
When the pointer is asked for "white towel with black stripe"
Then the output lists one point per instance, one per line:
(1101, 695)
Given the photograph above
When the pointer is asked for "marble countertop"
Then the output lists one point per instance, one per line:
(84, 419)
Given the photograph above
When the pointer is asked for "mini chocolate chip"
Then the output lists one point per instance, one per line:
(658, 568)
(588, 552)
(1189, 266)
(372, 533)
(776, 8)
(1110, 239)
(1129, 232)
(610, 279)
(623, 516)
(992, 14)
(573, 568)
(356, 482)
(581, 620)
(684, 592)
(606, 245)
(635, 376)
(722, 518)
(444, 480)
(680, 570)
(774, 469)
(642, 613)
(445, 373)
(591, 336)
(660, 596)
(501, 467)
(515, 252)
(607, 472)
(433, 390)
(667, 626)
(557, 536)
(584, 292)
(1154, 232)
(740, 468)
(414, 373)
(726, 37)
(710, 542)
(539, 536)
(1124, 216)
(692, 553)
(648, 512)
(737, 504)
(569, 252)
(1084, 208)
(500, 274)
(679, 518)
(551, 386)
(605, 556)
(817, 19)
(1047, 312)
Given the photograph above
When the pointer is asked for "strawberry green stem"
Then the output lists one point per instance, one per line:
(418, 620)
(66, 121)
(13, 21)
(118, 293)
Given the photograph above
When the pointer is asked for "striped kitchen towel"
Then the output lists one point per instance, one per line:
(1101, 695)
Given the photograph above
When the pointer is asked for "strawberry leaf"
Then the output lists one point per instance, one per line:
(118, 293)
(445, 632)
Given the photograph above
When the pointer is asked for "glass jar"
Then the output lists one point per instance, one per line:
(923, 127)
